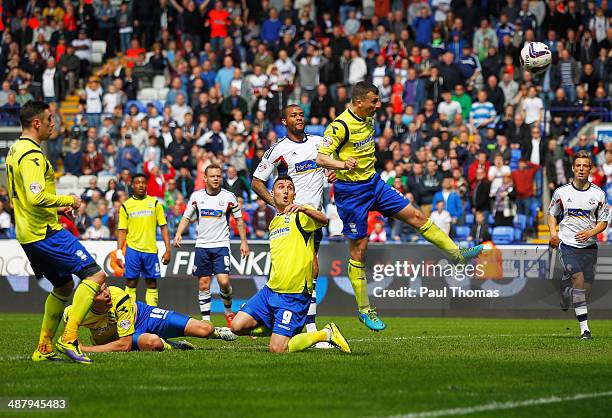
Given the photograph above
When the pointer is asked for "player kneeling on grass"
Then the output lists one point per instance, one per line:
(279, 309)
(117, 323)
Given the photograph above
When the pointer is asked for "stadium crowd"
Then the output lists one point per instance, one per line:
(466, 134)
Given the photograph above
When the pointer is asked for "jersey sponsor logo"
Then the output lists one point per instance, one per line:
(366, 143)
(35, 188)
(211, 213)
(280, 232)
(305, 166)
(141, 213)
(578, 213)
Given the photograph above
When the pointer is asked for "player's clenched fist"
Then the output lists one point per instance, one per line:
(77, 202)
(350, 163)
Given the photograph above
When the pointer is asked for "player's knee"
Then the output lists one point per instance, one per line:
(201, 329)
(152, 343)
(278, 347)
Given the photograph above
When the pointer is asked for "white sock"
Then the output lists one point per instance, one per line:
(204, 298)
(328, 332)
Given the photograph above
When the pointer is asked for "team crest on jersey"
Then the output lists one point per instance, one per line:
(150, 204)
(125, 324)
(263, 166)
(221, 203)
(328, 141)
(287, 218)
(35, 188)
(592, 201)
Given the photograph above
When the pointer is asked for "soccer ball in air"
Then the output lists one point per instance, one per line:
(536, 57)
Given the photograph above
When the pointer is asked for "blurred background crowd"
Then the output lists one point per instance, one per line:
(166, 87)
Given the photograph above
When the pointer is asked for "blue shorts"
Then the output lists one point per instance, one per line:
(575, 260)
(161, 322)
(355, 199)
(58, 257)
(209, 261)
(283, 313)
(139, 264)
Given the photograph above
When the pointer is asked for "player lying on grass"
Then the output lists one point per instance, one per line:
(279, 309)
(117, 323)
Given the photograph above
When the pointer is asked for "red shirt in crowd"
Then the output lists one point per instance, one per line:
(156, 185)
(219, 21)
(523, 180)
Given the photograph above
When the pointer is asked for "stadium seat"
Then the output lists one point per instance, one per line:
(159, 82)
(518, 234)
(147, 95)
(97, 58)
(491, 219)
(462, 232)
(141, 108)
(84, 181)
(163, 93)
(515, 155)
(469, 219)
(520, 221)
(315, 129)
(67, 182)
(503, 234)
(103, 181)
(98, 49)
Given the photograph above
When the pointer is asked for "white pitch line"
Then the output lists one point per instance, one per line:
(425, 337)
(496, 406)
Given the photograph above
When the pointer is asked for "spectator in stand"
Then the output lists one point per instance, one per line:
(82, 49)
(52, 83)
(92, 161)
(97, 231)
(214, 141)
(441, 218)
(497, 172)
(235, 184)
(262, 218)
(450, 199)
(480, 230)
(518, 133)
(72, 159)
(184, 182)
(128, 156)
(523, 180)
(430, 185)
(505, 206)
(156, 183)
(218, 21)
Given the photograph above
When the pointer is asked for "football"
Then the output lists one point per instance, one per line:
(536, 57)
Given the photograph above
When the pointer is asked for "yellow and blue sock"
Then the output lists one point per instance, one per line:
(54, 309)
(83, 298)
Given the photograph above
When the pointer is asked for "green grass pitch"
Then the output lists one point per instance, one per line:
(416, 365)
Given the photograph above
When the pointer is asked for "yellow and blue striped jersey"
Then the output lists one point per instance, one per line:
(292, 252)
(141, 217)
(351, 136)
(31, 187)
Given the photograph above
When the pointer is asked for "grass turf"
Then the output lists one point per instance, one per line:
(417, 364)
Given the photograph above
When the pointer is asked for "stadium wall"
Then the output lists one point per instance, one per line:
(525, 285)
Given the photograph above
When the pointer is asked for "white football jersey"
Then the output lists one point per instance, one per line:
(580, 209)
(212, 213)
(298, 160)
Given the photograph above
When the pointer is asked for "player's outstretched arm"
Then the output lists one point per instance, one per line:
(328, 162)
(261, 190)
(121, 344)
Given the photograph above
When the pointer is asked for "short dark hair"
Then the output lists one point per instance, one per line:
(282, 177)
(582, 154)
(212, 167)
(361, 90)
(138, 175)
(30, 111)
(285, 110)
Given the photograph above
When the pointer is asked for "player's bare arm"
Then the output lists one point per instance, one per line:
(329, 163)
(244, 246)
(178, 236)
(261, 190)
(121, 235)
(166, 237)
(554, 234)
(584, 236)
(121, 344)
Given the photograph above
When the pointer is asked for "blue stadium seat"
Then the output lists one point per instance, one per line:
(462, 232)
(503, 234)
(515, 155)
(491, 219)
(518, 234)
(469, 219)
(141, 107)
(280, 130)
(520, 221)
(315, 129)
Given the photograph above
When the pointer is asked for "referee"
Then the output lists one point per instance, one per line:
(139, 218)
(583, 209)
